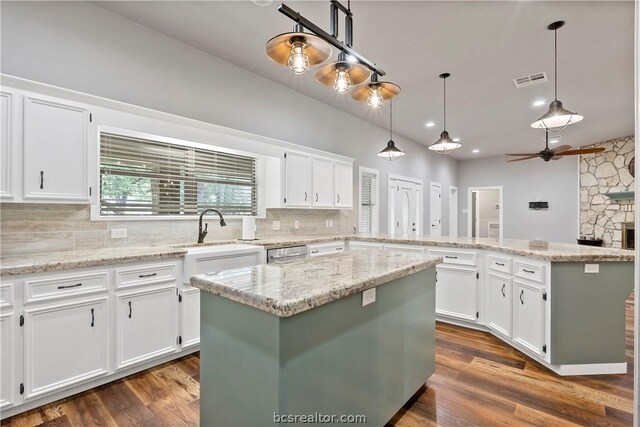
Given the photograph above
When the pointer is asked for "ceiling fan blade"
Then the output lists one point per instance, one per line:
(583, 151)
(523, 158)
(557, 157)
(522, 154)
(560, 149)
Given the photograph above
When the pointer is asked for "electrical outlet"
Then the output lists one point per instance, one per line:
(368, 296)
(326, 223)
(275, 226)
(296, 224)
(330, 223)
(118, 233)
(592, 268)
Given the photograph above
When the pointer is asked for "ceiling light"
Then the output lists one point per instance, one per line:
(341, 75)
(375, 92)
(553, 141)
(456, 140)
(298, 50)
(445, 144)
(558, 117)
(430, 124)
(475, 151)
(539, 102)
(391, 152)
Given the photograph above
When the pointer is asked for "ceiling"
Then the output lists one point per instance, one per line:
(484, 45)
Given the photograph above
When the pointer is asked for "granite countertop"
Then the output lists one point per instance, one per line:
(289, 288)
(546, 251)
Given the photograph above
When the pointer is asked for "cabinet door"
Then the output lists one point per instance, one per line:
(146, 325)
(65, 344)
(529, 316)
(7, 145)
(190, 317)
(343, 179)
(322, 183)
(8, 371)
(500, 305)
(55, 151)
(456, 293)
(297, 180)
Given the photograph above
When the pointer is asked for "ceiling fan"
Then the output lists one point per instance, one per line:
(555, 153)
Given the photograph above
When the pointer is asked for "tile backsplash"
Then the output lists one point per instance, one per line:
(27, 228)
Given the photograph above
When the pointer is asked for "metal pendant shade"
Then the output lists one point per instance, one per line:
(558, 117)
(445, 144)
(356, 73)
(279, 48)
(391, 152)
(375, 92)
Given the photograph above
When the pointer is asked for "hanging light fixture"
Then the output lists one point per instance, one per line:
(375, 92)
(342, 74)
(391, 152)
(558, 117)
(445, 144)
(298, 50)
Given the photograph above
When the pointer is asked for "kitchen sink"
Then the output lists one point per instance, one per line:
(214, 258)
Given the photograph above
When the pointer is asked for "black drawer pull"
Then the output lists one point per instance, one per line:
(147, 275)
(70, 286)
(521, 295)
(92, 318)
(528, 271)
(130, 311)
(338, 249)
(501, 264)
(504, 295)
(451, 257)
(315, 252)
(41, 180)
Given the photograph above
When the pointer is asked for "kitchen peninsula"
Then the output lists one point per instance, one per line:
(301, 337)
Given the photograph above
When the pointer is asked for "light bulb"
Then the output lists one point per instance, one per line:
(375, 99)
(298, 58)
(342, 83)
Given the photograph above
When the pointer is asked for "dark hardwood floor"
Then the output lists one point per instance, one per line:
(479, 381)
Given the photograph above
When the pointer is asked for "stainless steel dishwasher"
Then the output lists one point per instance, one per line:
(286, 254)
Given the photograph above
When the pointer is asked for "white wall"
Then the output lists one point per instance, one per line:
(80, 46)
(556, 182)
(489, 199)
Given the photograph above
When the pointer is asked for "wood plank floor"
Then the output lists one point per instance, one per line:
(479, 381)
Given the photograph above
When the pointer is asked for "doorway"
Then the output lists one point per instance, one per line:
(453, 211)
(485, 218)
(405, 206)
(435, 210)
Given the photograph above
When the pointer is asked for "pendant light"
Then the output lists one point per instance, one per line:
(298, 50)
(445, 144)
(375, 92)
(342, 75)
(558, 117)
(391, 152)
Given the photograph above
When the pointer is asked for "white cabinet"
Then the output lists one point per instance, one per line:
(343, 178)
(146, 325)
(529, 316)
(297, 180)
(456, 292)
(8, 147)
(55, 151)
(325, 248)
(322, 183)
(406, 248)
(190, 317)
(8, 371)
(65, 344)
(500, 312)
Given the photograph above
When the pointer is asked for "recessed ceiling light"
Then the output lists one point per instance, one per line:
(553, 141)
(430, 124)
(456, 139)
(539, 102)
(476, 151)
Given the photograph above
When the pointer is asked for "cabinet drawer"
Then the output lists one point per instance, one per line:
(6, 295)
(499, 264)
(533, 272)
(326, 248)
(405, 248)
(364, 245)
(64, 286)
(143, 275)
(455, 257)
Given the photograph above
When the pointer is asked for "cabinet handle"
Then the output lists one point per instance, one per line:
(338, 249)
(41, 180)
(501, 264)
(451, 257)
(338, 198)
(69, 286)
(521, 295)
(130, 310)
(147, 275)
(528, 271)
(504, 295)
(315, 252)
(316, 197)
(305, 196)
(92, 318)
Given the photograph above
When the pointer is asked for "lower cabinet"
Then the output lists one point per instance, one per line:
(529, 314)
(145, 325)
(500, 313)
(8, 390)
(456, 292)
(190, 317)
(65, 344)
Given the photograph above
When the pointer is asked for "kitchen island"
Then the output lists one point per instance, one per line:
(295, 339)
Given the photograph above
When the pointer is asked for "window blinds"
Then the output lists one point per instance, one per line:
(146, 177)
(368, 202)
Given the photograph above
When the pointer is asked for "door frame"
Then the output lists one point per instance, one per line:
(375, 223)
(431, 185)
(454, 195)
(390, 218)
(470, 211)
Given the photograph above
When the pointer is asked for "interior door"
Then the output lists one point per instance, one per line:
(405, 209)
(436, 209)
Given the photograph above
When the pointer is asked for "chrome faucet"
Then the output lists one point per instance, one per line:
(202, 233)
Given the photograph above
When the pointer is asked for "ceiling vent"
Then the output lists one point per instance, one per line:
(530, 80)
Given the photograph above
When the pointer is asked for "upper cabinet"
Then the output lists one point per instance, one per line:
(297, 180)
(8, 148)
(322, 183)
(343, 178)
(55, 151)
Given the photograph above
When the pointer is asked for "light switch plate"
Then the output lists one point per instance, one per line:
(296, 224)
(592, 268)
(118, 233)
(330, 223)
(326, 223)
(275, 226)
(368, 296)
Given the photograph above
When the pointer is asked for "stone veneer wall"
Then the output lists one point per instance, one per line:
(601, 173)
(47, 228)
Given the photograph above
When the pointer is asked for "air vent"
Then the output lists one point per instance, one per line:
(530, 80)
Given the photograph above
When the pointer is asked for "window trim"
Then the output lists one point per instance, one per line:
(95, 197)
(375, 221)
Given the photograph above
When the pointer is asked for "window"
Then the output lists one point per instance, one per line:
(145, 177)
(368, 200)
